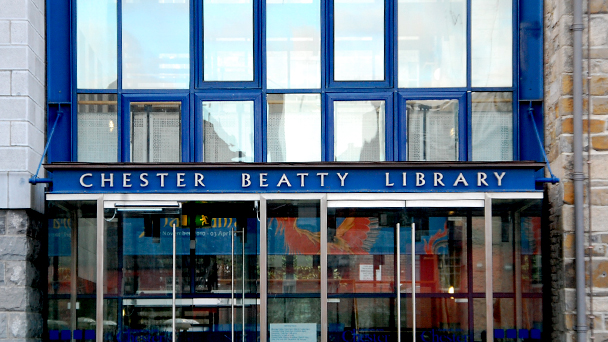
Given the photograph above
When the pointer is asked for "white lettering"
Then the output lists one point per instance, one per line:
(499, 178)
(388, 183)
(263, 180)
(126, 178)
(322, 175)
(342, 178)
(481, 179)
(284, 180)
(302, 175)
(144, 180)
(180, 180)
(438, 179)
(461, 179)
(104, 180)
(404, 179)
(245, 180)
(82, 180)
(162, 178)
(198, 179)
(420, 179)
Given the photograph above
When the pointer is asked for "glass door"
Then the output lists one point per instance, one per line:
(182, 273)
(362, 301)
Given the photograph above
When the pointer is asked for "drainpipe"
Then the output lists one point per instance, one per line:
(578, 175)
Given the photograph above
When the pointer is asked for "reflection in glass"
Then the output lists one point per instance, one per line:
(441, 254)
(228, 40)
(478, 242)
(532, 319)
(432, 130)
(294, 127)
(440, 319)
(306, 312)
(294, 245)
(360, 250)
(492, 126)
(362, 319)
(504, 313)
(228, 131)
(479, 319)
(359, 131)
(96, 42)
(359, 40)
(492, 43)
(156, 132)
(97, 128)
(155, 44)
(432, 48)
(293, 44)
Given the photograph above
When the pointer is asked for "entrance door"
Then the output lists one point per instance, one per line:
(362, 303)
(182, 273)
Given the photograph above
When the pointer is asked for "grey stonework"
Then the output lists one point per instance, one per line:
(558, 137)
(21, 265)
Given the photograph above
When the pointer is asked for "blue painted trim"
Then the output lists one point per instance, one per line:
(35, 178)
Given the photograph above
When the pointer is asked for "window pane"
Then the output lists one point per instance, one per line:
(359, 40)
(155, 44)
(228, 40)
(97, 128)
(294, 128)
(432, 130)
(293, 43)
(156, 132)
(96, 42)
(432, 48)
(492, 126)
(359, 131)
(492, 43)
(228, 131)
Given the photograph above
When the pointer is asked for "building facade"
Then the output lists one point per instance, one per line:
(292, 170)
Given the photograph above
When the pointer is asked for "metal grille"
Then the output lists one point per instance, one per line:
(492, 126)
(97, 128)
(432, 130)
(155, 136)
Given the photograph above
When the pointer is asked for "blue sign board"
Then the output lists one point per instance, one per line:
(292, 180)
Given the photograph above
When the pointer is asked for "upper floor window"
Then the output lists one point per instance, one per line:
(295, 80)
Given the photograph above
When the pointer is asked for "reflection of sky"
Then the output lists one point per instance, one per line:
(156, 43)
(228, 40)
(96, 41)
(359, 40)
(293, 32)
(232, 123)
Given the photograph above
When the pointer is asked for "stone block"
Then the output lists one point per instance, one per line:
(19, 34)
(5, 83)
(12, 158)
(599, 27)
(3, 325)
(24, 325)
(599, 142)
(599, 85)
(21, 273)
(599, 196)
(17, 248)
(599, 105)
(5, 32)
(20, 191)
(568, 192)
(3, 189)
(23, 83)
(598, 52)
(13, 9)
(598, 6)
(5, 133)
(23, 133)
(13, 108)
(13, 57)
(597, 126)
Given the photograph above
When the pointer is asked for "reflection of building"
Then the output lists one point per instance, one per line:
(342, 170)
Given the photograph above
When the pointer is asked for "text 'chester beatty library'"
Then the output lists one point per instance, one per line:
(295, 170)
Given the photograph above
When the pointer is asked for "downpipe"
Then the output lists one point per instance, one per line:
(578, 175)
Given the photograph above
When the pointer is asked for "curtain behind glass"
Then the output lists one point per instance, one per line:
(492, 126)
(432, 127)
(97, 128)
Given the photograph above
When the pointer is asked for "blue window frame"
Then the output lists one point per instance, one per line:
(62, 83)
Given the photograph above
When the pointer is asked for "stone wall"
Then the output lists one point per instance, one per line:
(558, 137)
(22, 137)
